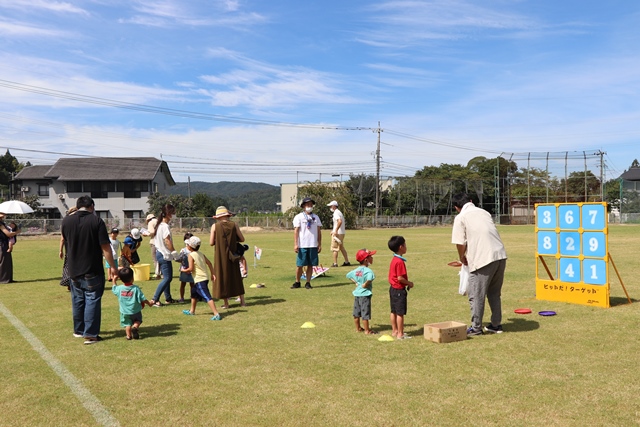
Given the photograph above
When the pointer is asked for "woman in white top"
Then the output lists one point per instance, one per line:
(165, 254)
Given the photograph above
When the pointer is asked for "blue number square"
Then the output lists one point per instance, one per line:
(594, 271)
(547, 242)
(570, 243)
(593, 217)
(569, 217)
(594, 244)
(546, 217)
(570, 270)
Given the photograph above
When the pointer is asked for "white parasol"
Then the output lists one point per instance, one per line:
(15, 207)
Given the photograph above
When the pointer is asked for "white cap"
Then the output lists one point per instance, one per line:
(135, 233)
(333, 203)
(193, 242)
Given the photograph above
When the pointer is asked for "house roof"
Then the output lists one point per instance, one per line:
(633, 174)
(109, 169)
(33, 172)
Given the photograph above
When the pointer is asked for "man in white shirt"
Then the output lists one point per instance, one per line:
(307, 241)
(480, 247)
(337, 235)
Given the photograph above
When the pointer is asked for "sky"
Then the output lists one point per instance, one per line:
(289, 91)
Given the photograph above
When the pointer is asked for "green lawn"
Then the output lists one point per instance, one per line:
(258, 367)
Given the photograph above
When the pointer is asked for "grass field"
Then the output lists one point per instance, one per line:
(257, 367)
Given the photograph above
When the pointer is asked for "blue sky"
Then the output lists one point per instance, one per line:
(283, 90)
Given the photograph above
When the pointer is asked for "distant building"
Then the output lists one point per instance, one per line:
(631, 179)
(120, 186)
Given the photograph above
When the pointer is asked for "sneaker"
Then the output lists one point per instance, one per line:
(156, 304)
(181, 300)
(334, 265)
(188, 313)
(78, 335)
(90, 341)
(296, 285)
(346, 264)
(473, 332)
(134, 332)
(493, 329)
(405, 337)
(216, 317)
(307, 285)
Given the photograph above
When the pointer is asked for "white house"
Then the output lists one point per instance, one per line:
(120, 186)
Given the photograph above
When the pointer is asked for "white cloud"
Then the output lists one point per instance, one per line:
(50, 6)
(21, 29)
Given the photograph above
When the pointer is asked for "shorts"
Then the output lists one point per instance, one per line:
(201, 290)
(362, 307)
(307, 257)
(130, 319)
(398, 299)
(335, 246)
(186, 277)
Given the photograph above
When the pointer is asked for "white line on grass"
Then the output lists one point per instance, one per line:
(88, 400)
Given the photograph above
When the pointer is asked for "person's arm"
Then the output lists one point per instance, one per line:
(367, 284)
(213, 276)
(212, 236)
(9, 233)
(108, 255)
(462, 253)
(239, 234)
(191, 267)
(336, 226)
(319, 239)
(405, 282)
(296, 236)
(61, 247)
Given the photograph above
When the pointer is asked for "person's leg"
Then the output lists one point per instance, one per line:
(242, 303)
(167, 275)
(194, 301)
(226, 303)
(212, 306)
(494, 291)
(167, 272)
(400, 326)
(356, 314)
(182, 286)
(127, 330)
(477, 292)
(365, 307)
(93, 289)
(394, 324)
(298, 274)
(309, 274)
(335, 258)
(77, 307)
(344, 253)
(356, 321)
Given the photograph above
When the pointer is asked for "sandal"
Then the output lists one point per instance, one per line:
(371, 332)
(360, 330)
(171, 301)
(156, 304)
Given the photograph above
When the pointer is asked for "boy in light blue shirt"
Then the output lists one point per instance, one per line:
(131, 301)
(363, 277)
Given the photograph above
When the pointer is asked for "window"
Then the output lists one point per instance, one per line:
(74, 186)
(103, 214)
(100, 189)
(133, 189)
(43, 190)
(133, 214)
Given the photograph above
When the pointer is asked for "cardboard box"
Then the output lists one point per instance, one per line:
(445, 332)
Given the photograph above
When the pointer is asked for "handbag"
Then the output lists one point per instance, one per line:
(464, 279)
(135, 258)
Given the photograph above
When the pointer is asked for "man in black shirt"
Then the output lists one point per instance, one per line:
(87, 241)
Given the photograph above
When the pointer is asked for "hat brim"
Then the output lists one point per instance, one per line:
(222, 215)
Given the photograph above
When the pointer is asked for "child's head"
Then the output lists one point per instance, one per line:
(13, 226)
(365, 257)
(193, 243)
(114, 232)
(126, 275)
(397, 245)
(187, 236)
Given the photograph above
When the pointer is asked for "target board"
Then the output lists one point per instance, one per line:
(572, 253)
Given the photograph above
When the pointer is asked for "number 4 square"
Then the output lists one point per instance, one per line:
(570, 270)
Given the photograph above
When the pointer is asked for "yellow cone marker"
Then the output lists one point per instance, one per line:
(386, 337)
(254, 285)
(307, 325)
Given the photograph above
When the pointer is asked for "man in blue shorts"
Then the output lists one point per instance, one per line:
(307, 241)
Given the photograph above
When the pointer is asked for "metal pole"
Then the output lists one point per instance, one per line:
(377, 175)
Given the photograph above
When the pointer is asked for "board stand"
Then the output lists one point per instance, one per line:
(619, 278)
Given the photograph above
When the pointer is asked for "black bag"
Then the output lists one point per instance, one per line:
(135, 258)
(239, 252)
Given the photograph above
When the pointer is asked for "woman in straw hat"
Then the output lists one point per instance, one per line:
(225, 235)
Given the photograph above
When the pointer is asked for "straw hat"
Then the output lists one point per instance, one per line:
(222, 211)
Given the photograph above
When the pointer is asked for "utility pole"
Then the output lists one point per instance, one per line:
(601, 154)
(378, 176)
(189, 186)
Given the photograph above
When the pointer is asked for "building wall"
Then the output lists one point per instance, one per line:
(288, 196)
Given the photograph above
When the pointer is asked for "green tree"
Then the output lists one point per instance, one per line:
(205, 205)
(582, 186)
(184, 206)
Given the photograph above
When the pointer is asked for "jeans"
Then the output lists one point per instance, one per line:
(86, 303)
(167, 274)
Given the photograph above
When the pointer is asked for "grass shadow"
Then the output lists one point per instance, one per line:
(332, 285)
(519, 324)
(263, 300)
(616, 301)
(155, 331)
